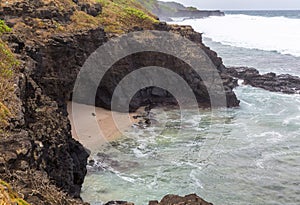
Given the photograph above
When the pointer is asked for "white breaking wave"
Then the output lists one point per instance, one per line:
(279, 34)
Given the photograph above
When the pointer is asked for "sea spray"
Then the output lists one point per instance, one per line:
(278, 34)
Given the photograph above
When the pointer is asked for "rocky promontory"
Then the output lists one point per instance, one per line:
(284, 83)
(167, 10)
(50, 41)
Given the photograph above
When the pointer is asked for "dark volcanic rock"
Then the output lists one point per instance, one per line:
(119, 203)
(35, 9)
(53, 148)
(49, 81)
(284, 83)
(42, 139)
(197, 13)
(191, 199)
(156, 96)
(59, 61)
(92, 10)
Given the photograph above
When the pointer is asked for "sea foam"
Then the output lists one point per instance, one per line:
(278, 34)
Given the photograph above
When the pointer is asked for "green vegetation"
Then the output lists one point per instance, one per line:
(3, 27)
(8, 67)
(150, 5)
(80, 20)
(191, 8)
(137, 13)
(39, 185)
(119, 16)
(165, 9)
(8, 196)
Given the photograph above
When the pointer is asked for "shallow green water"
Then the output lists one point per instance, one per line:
(247, 155)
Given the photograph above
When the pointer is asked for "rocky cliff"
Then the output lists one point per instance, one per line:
(52, 40)
(166, 10)
(155, 96)
(197, 13)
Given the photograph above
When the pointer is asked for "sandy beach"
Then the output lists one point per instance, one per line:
(96, 126)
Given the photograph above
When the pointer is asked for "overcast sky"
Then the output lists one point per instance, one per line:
(242, 4)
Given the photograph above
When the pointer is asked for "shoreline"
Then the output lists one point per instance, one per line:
(110, 130)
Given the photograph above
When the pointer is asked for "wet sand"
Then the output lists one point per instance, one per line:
(97, 126)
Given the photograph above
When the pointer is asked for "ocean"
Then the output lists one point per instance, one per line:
(240, 156)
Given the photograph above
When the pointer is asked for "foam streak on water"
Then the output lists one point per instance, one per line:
(247, 155)
(279, 34)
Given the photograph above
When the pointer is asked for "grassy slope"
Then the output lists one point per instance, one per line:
(121, 15)
(117, 17)
(8, 68)
(9, 196)
(164, 8)
(150, 5)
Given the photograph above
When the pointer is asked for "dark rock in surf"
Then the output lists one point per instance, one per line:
(284, 83)
(119, 203)
(191, 199)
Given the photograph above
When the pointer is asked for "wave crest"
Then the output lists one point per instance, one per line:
(279, 34)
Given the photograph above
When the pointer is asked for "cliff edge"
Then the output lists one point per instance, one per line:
(45, 44)
(167, 10)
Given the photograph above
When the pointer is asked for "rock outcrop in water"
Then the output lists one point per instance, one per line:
(284, 83)
(52, 46)
(191, 199)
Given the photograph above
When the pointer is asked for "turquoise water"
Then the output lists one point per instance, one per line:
(246, 155)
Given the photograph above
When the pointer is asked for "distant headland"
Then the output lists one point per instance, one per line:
(168, 10)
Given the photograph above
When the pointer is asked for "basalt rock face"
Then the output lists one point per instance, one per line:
(46, 10)
(40, 136)
(60, 60)
(156, 96)
(284, 83)
(45, 85)
(50, 78)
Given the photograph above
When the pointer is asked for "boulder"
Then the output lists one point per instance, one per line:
(191, 199)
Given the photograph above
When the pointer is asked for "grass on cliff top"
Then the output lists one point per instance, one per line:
(8, 67)
(119, 16)
(8, 196)
(149, 4)
(37, 187)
